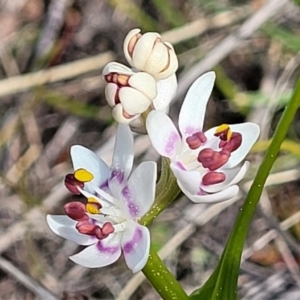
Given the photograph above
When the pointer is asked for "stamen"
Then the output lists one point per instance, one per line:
(83, 175)
(72, 184)
(107, 228)
(224, 132)
(233, 144)
(213, 178)
(86, 227)
(123, 80)
(76, 211)
(196, 140)
(213, 160)
(93, 206)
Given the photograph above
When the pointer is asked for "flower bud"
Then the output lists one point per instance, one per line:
(148, 53)
(129, 93)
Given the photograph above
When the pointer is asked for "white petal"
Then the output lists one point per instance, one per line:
(143, 49)
(250, 133)
(139, 193)
(136, 246)
(110, 93)
(86, 159)
(233, 176)
(114, 67)
(163, 134)
(189, 179)
(128, 37)
(123, 151)
(101, 254)
(118, 115)
(158, 60)
(65, 227)
(144, 83)
(224, 195)
(133, 101)
(166, 90)
(173, 64)
(192, 113)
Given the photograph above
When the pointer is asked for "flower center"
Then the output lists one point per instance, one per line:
(211, 157)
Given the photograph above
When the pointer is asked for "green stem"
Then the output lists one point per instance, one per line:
(156, 272)
(162, 279)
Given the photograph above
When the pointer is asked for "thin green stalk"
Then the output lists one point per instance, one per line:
(156, 272)
(223, 282)
(162, 279)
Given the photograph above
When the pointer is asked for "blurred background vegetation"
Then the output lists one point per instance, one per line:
(51, 56)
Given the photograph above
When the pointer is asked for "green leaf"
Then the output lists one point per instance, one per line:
(223, 282)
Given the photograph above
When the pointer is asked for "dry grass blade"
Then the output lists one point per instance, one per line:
(28, 282)
(24, 82)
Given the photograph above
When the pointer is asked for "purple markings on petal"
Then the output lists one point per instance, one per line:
(104, 185)
(180, 165)
(107, 249)
(129, 246)
(117, 174)
(201, 192)
(190, 131)
(132, 208)
(170, 146)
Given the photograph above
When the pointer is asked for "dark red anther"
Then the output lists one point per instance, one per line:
(234, 142)
(195, 141)
(107, 228)
(72, 184)
(213, 178)
(108, 77)
(213, 160)
(105, 231)
(86, 227)
(76, 211)
(223, 135)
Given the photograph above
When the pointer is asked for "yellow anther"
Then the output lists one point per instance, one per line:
(93, 200)
(224, 128)
(91, 208)
(83, 175)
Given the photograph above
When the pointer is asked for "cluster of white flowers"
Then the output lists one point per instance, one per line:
(207, 164)
(150, 83)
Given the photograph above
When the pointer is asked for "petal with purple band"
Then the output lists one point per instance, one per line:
(192, 113)
(101, 254)
(140, 192)
(163, 134)
(136, 245)
(83, 158)
(233, 176)
(65, 227)
(123, 151)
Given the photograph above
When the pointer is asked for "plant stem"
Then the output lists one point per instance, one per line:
(162, 279)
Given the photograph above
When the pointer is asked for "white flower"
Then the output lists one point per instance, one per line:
(207, 165)
(147, 52)
(107, 223)
(129, 93)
